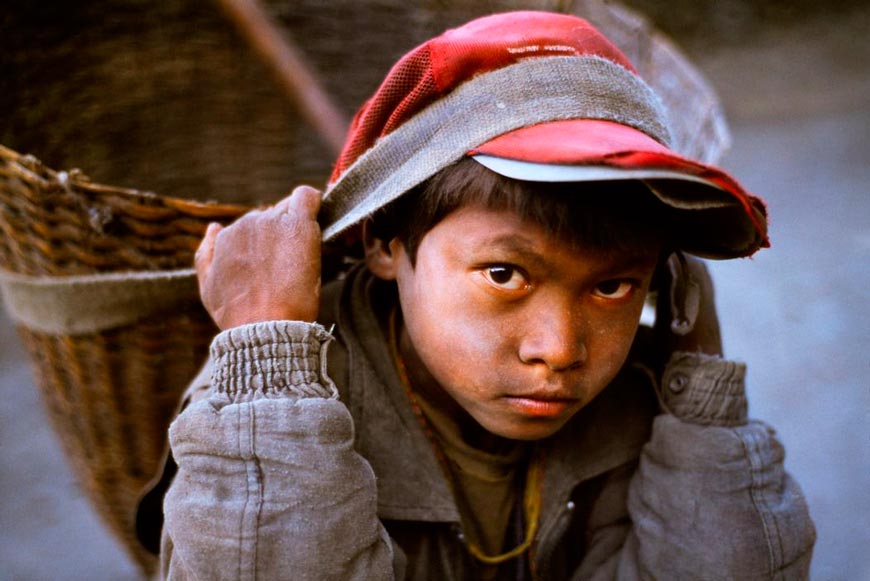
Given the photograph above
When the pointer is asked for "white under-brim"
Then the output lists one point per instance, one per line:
(657, 180)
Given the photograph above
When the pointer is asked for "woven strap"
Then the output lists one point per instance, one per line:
(74, 305)
(485, 107)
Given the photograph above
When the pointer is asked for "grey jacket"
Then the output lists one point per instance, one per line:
(304, 460)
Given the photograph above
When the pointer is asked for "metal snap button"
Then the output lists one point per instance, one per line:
(678, 382)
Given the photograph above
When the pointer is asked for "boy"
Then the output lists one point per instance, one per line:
(476, 400)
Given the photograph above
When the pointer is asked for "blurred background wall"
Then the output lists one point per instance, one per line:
(794, 78)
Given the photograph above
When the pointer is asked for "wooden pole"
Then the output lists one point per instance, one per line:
(288, 64)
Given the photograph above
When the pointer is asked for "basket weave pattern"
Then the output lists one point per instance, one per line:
(110, 394)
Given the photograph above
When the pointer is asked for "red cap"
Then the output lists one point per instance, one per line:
(539, 89)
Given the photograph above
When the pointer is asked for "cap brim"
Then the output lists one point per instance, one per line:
(716, 217)
(708, 196)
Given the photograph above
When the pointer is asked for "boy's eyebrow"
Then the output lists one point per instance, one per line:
(632, 261)
(620, 261)
(515, 244)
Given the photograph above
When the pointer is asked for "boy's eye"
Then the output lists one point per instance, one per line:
(615, 289)
(505, 277)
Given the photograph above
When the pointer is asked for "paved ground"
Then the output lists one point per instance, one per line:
(798, 313)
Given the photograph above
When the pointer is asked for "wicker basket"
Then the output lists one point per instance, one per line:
(110, 393)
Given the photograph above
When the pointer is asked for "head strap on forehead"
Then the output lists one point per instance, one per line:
(531, 87)
(488, 105)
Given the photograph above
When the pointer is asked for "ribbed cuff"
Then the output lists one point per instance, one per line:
(272, 359)
(704, 389)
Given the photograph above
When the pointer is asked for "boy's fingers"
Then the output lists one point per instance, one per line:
(304, 201)
(205, 253)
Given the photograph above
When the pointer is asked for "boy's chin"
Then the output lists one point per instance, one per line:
(526, 431)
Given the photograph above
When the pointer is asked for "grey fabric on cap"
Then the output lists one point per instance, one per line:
(485, 107)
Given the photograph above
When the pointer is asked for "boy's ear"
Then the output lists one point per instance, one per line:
(380, 255)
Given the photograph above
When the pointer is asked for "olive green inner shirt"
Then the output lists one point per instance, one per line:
(486, 485)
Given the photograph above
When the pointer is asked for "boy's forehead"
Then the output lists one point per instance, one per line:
(478, 228)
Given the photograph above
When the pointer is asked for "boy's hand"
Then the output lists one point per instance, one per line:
(687, 319)
(265, 266)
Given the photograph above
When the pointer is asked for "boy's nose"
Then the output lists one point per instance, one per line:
(556, 340)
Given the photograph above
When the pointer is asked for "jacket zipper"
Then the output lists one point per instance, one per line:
(554, 531)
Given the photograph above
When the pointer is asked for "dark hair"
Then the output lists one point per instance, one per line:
(621, 216)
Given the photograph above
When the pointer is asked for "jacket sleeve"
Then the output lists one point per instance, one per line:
(269, 485)
(710, 498)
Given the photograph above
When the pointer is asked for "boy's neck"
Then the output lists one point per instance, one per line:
(425, 385)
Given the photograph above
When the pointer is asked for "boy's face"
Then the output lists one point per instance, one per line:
(520, 329)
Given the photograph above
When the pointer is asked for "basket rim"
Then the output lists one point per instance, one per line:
(32, 168)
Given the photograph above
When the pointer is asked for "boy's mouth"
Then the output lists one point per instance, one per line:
(542, 406)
